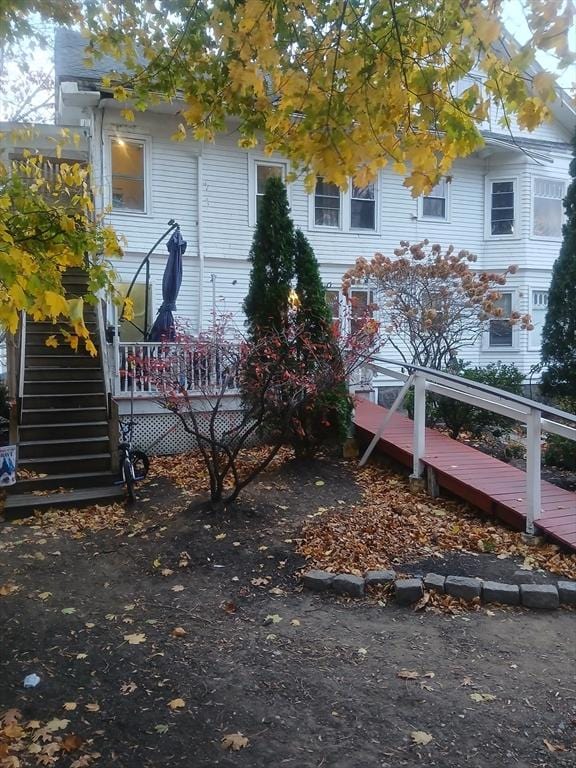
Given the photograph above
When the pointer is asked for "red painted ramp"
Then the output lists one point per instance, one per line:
(486, 483)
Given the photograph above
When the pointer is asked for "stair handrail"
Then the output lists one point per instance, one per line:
(22, 365)
(104, 362)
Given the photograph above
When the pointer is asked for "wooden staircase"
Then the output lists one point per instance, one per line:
(64, 448)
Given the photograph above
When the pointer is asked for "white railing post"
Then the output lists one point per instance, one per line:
(419, 434)
(533, 458)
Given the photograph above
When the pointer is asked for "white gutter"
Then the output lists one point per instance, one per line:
(72, 97)
(200, 242)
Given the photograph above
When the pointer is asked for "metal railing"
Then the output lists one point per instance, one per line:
(538, 418)
(157, 367)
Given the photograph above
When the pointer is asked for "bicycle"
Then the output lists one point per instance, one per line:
(134, 464)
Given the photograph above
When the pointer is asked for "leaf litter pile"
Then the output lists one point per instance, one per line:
(393, 525)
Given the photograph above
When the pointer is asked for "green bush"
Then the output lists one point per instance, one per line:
(457, 416)
(561, 452)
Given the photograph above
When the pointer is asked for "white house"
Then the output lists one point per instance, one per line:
(503, 203)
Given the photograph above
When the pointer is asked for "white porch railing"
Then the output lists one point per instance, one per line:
(537, 417)
(154, 365)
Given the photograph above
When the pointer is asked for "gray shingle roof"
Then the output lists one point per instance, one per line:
(69, 53)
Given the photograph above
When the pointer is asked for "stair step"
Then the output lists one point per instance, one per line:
(46, 402)
(20, 505)
(63, 387)
(89, 462)
(46, 359)
(38, 416)
(38, 347)
(63, 431)
(61, 480)
(55, 374)
(35, 449)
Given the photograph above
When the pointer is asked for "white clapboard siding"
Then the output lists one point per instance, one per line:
(171, 178)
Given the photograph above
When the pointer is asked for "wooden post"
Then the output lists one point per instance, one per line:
(419, 434)
(533, 459)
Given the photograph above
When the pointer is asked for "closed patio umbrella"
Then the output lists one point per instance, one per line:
(163, 328)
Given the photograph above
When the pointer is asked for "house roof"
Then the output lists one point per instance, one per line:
(70, 52)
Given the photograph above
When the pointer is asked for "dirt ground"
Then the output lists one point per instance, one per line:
(312, 681)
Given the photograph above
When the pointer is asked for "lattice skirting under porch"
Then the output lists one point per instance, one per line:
(163, 434)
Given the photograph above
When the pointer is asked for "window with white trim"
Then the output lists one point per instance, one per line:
(548, 208)
(500, 331)
(434, 205)
(361, 308)
(502, 207)
(265, 171)
(327, 204)
(538, 309)
(363, 207)
(127, 160)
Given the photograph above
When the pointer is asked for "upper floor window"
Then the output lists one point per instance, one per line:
(128, 187)
(327, 207)
(547, 218)
(265, 171)
(363, 207)
(500, 331)
(435, 203)
(502, 208)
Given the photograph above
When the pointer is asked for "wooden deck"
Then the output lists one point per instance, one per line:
(491, 485)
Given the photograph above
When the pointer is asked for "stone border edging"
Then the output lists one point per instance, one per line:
(410, 590)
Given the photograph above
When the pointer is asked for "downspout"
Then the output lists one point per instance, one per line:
(200, 243)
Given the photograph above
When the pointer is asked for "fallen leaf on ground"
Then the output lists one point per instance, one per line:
(71, 742)
(68, 611)
(45, 595)
(93, 707)
(319, 482)
(135, 639)
(8, 589)
(554, 747)
(176, 703)
(273, 618)
(161, 728)
(177, 588)
(408, 674)
(127, 688)
(166, 571)
(421, 737)
(260, 582)
(70, 706)
(56, 725)
(178, 632)
(482, 697)
(234, 741)
(220, 536)
(295, 622)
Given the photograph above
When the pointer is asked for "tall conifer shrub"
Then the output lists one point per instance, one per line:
(559, 332)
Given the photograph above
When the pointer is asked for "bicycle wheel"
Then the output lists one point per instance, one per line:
(129, 478)
(140, 464)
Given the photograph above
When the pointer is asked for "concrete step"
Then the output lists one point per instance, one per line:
(64, 387)
(63, 431)
(46, 402)
(25, 504)
(73, 463)
(62, 415)
(54, 448)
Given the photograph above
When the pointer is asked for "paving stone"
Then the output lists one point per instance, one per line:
(463, 587)
(539, 596)
(567, 592)
(374, 578)
(496, 592)
(435, 582)
(408, 590)
(347, 584)
(531, 577)
(318, 581)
